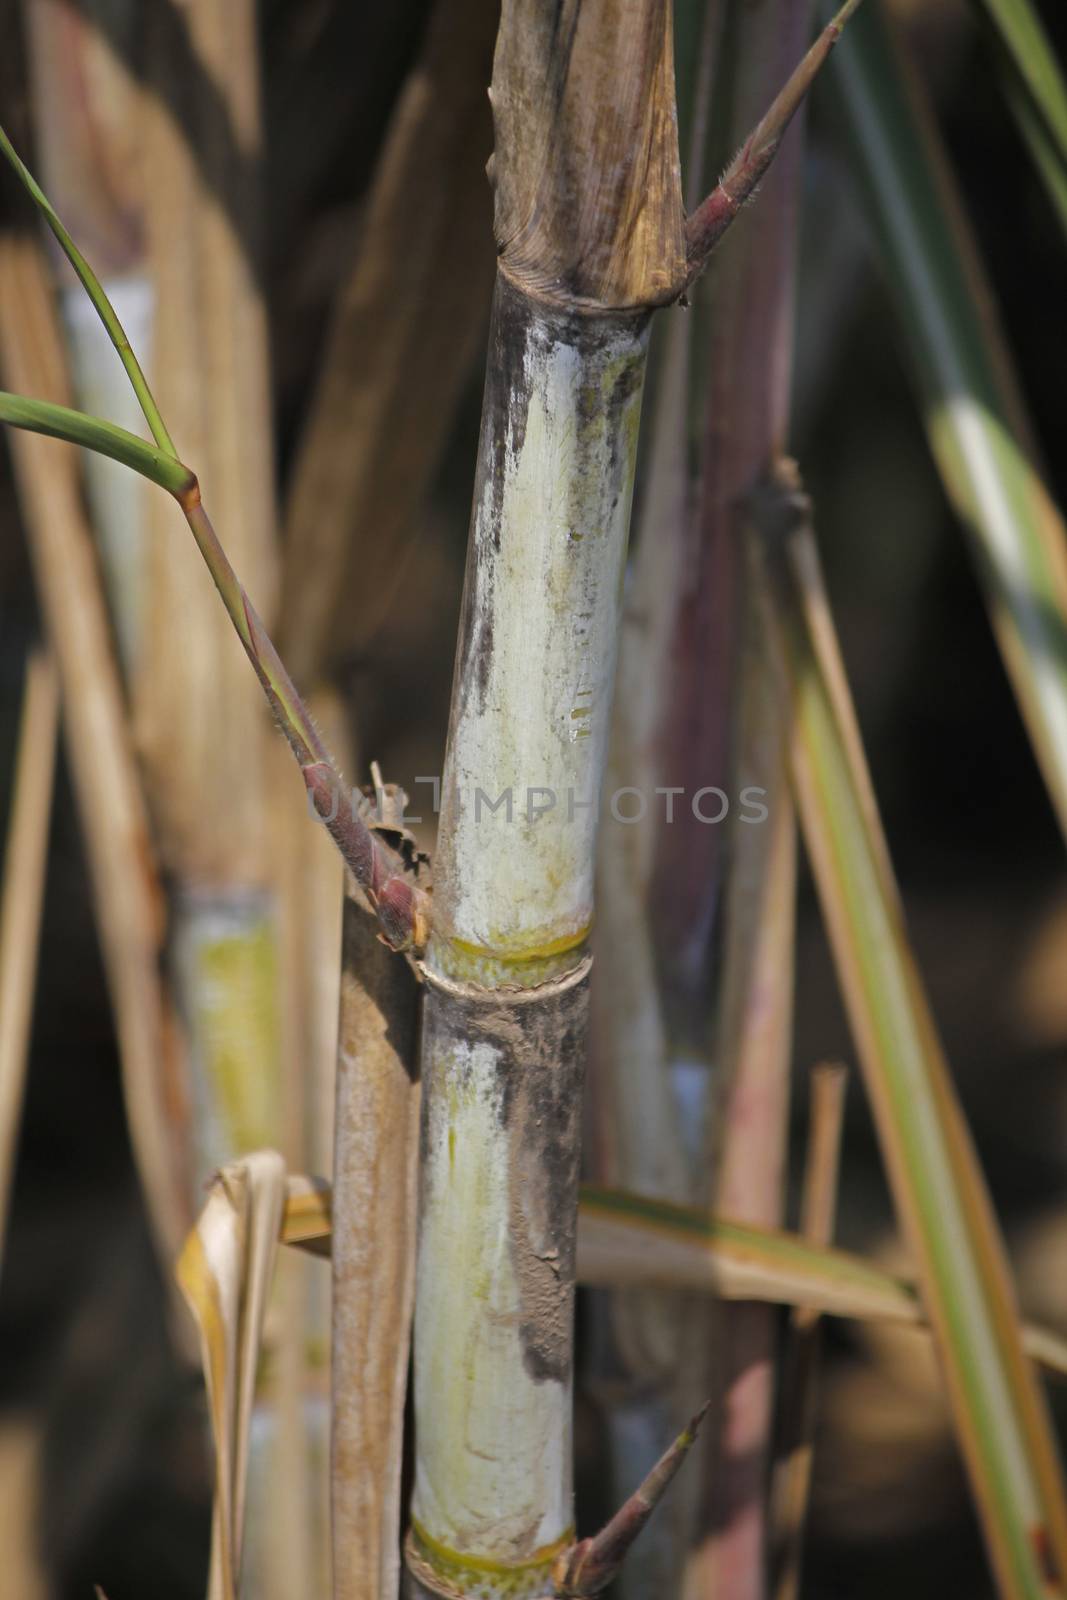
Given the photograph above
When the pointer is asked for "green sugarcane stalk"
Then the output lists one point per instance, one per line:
(588, 246)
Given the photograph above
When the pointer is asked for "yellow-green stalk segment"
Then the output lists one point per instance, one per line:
(402, 908)
(1001, 1418)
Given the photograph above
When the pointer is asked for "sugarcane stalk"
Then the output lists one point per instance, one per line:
(638, 1134)
(588, 245)
(587, 250)
(507, 963)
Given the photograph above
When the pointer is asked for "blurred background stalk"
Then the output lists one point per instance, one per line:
(22, 899)
(695, 1040)
(149, 132)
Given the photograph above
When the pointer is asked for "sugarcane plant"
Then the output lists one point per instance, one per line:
(592, 238)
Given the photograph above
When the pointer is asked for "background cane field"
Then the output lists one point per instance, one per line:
(595, 1121)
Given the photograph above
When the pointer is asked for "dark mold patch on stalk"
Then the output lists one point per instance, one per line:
(537, 1039)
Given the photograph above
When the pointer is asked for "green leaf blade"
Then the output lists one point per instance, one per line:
(75, 427)
(974, 416)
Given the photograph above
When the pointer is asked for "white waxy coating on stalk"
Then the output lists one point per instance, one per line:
(513, 902)
(475, 1492)
(549, 546)
(116, 495)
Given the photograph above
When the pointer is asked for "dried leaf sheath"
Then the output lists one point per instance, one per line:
(375, 1183)
(585, 165)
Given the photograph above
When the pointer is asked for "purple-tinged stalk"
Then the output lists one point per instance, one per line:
(748, 913)
(699, 708)
(593, 1563)
(706, 225)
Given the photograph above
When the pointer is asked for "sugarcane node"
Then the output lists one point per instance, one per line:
(395, 906)
(779, 504)
(567, 1578)
(188, 496)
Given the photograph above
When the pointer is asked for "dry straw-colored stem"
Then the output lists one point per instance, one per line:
(126, 892)
(375, 1188)
(22, 897)
(401, 907)
(403, 332)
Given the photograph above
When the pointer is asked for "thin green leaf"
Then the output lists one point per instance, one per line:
(401, 905)
(60, 422)
(940, 1194)
(1024, 38)
(1044, 149)
(94, 290)
(974, 417)
(632, 1240)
